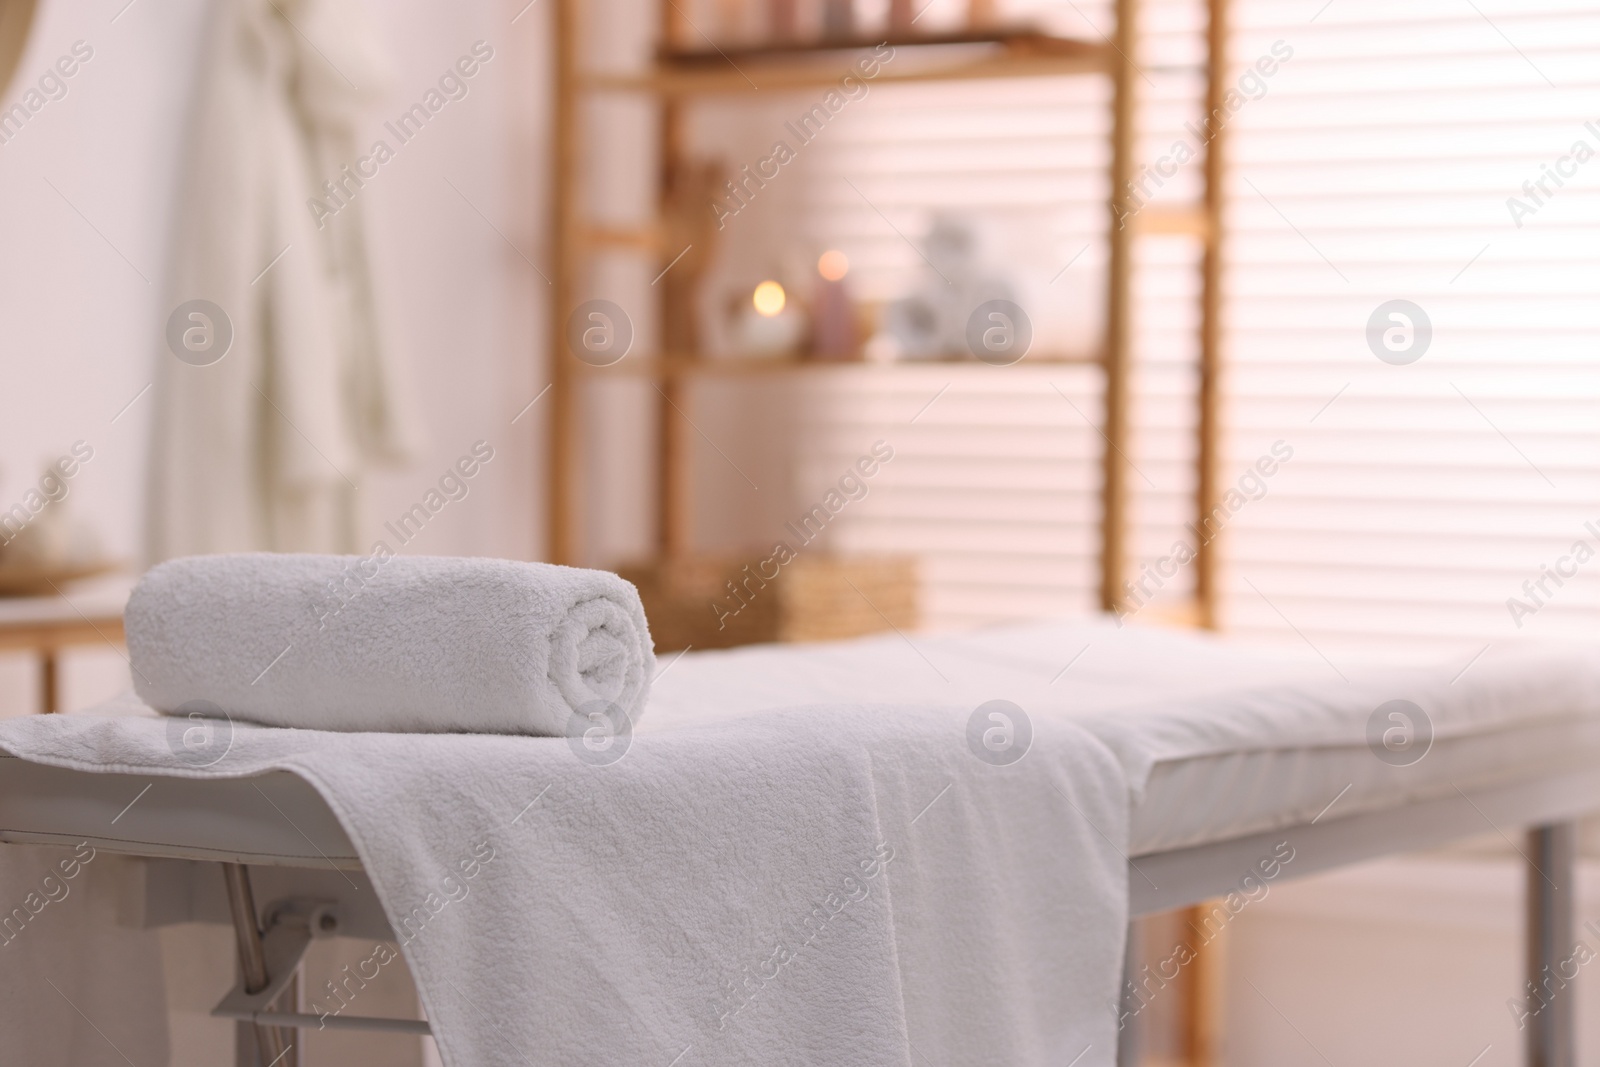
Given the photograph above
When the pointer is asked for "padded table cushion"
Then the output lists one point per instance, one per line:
(270, 819)
(1219, 738)
(1142, 690)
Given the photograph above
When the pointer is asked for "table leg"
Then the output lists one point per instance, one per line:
(1130, 1047)
(272, 1043)
(290, 1001)
(1552, 1012)
(49, 681)
(1207, 978)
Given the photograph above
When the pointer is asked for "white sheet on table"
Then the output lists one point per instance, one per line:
(1150, 694)
(626, 903)
(1215, 797)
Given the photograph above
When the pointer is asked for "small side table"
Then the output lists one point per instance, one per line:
(48, 624)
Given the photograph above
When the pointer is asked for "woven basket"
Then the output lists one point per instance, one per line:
(720, 603)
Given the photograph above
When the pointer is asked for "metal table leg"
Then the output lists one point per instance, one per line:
(1550, 1022)
(274, 1043)
(1130, 1048)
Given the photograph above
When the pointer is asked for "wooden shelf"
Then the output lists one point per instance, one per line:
(643, 238)
(758, 366)
(1154, 219)
(1165, 219)
(1017, 38)
(678, 78)
(1004, 53)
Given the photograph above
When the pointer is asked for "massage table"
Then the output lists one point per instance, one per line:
(1198, 823)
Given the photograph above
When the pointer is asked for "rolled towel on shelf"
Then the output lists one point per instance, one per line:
(397, 644)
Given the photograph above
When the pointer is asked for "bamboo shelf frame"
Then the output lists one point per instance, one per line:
(679, 76)
(688, 366)
(947, 57)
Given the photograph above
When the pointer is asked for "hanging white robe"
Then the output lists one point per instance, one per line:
(266, 448)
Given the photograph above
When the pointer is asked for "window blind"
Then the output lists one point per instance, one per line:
(996, 482)
(1438, 154)
(1386, 163)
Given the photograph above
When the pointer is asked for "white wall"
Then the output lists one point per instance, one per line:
(80, 295)
(80, 307)
(1397, 962)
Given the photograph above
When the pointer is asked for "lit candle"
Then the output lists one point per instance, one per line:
(833, 316)
(838, 19)
(768, 325)
(900, 16)
(769, 299)
(781, 19)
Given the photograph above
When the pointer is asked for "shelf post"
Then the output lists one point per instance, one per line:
(1118, 342)
(1203, 993)
(1208, 450)
(674, 455)
(563, 424)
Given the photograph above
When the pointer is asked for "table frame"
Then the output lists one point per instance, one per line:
(1545, 808)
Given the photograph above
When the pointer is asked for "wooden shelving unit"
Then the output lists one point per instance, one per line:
(685, 366)
(935, 57)
(681, 75)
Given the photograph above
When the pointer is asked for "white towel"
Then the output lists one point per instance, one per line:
(844, 886)
(392, 643)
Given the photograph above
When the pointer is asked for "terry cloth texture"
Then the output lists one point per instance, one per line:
(398, 644)
(846, 886)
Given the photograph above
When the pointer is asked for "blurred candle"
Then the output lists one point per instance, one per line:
(833, 314)
(730, 19)
(781, 19)
(769, 299)
(900, 16)
(768, 325)
(838, 18)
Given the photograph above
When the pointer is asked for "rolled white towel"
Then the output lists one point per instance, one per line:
(396, 644)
